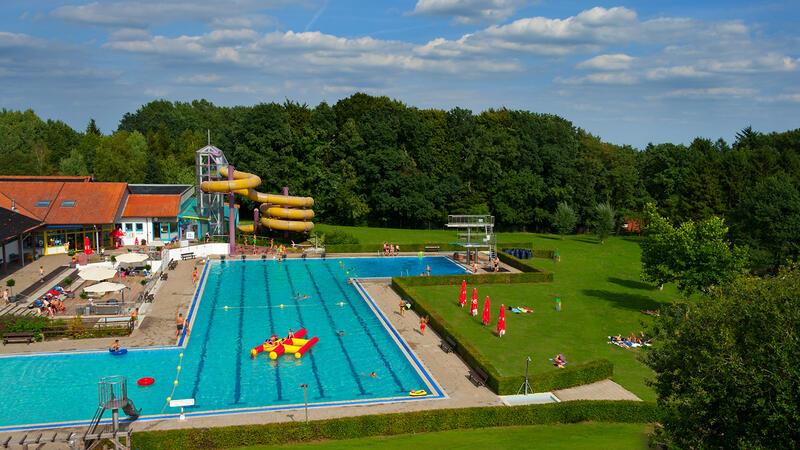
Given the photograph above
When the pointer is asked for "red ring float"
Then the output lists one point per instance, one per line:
(146, 381)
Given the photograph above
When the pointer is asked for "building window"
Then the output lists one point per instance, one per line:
(43, 203)
(128, 227)
(139, 227)
(67, 203)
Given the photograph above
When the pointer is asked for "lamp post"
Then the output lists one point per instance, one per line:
(305, 398)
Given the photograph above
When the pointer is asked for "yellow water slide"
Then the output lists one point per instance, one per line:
(279, 212)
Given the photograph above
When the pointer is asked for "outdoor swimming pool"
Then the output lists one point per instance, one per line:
(242, 303)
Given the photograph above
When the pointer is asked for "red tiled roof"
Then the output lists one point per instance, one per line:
(66, 178)
(7, 203)
(27, 194)
(95, 203)
(149, 205)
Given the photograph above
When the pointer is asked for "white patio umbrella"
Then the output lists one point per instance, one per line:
(105, 286)
(132, 258)
(97, 274)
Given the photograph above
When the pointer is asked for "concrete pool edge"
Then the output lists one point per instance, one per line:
(182, 343)
(413, 359)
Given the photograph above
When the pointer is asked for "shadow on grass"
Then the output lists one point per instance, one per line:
(635, 302)
(587, 240)
(550, 238)
(631, 284)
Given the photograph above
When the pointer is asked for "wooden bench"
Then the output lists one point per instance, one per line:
(172, 264)
(478, 377)
(432, 248)
(185, 256)
(448, 345)
(17, 338)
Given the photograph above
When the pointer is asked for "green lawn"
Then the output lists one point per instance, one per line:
(563, 436)
(600, 295)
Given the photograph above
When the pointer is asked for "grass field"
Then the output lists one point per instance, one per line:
(565, 436)
(600, 293)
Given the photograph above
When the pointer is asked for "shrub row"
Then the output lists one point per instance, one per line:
(488, 278)
(519, 264)
(399, 423)
(574, 375)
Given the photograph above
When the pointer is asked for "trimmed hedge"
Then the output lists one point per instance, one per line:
(443, 246)
(398, 423)
(574, 375)
(520, 264)
(488, 278)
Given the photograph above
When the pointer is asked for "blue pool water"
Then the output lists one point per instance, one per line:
(242, 303)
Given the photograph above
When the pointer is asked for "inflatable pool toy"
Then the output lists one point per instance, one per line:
(418, 393)
(146, 381)
(296, 344)
(119, 352)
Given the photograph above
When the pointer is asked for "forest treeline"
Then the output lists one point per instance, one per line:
(375, 161)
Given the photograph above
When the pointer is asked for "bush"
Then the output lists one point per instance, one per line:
(67, 281)
(84, 295)
(399, 423)
(340, 237)
(21, 324)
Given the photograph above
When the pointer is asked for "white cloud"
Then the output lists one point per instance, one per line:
(199, 79)
(9, 40)
(145, 13)
(616, 61)
(308, 51)
(674, 72)
(469, 11)
(611, 78)
(709, 93)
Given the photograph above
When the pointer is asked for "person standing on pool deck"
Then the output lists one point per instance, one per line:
(194, 276)
(428, 269)
(41, 274)
(135, 317)
(179, 323)
(423, 322)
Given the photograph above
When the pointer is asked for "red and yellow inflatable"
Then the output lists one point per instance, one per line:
(295, 344)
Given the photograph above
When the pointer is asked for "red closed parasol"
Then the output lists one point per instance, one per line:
(462, 298)
(473, 310)
(501, 322)
(87, 245)
(487, 313)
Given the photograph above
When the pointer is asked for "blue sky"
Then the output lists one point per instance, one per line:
(631, 72)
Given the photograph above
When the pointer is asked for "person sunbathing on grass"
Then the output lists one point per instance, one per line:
(520, 309)
(559, 361)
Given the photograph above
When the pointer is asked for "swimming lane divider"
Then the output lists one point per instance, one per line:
(265, 264)
(363, 323)
(238, 358)
(314, 368)
(356, 377)
(204, 347)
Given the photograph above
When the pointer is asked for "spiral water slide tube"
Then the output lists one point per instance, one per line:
(280, 212)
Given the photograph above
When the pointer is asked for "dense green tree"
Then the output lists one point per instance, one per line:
(374, 160)
(728, 367)
(768, 220)
(564, 219)
(696, 255)
(604, 221)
